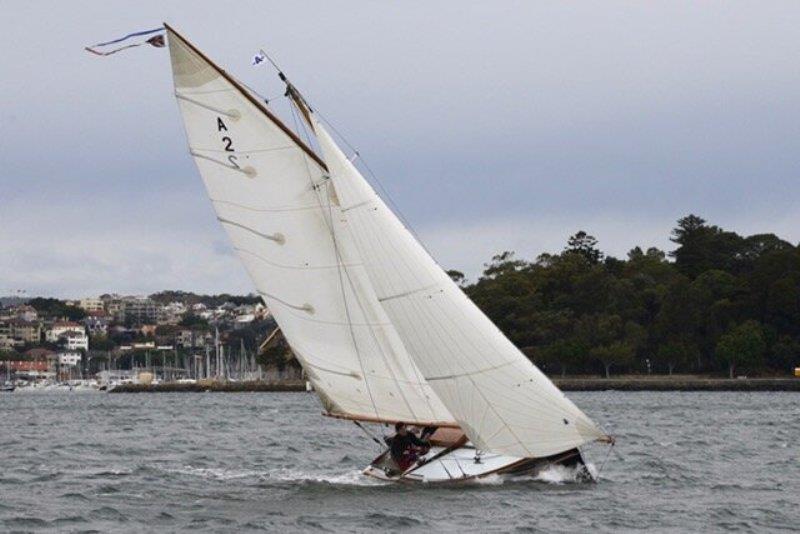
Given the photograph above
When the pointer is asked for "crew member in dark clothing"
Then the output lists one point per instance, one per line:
(405, 447)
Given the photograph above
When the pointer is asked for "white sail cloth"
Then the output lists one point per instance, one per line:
(272, 196)
(498, 397)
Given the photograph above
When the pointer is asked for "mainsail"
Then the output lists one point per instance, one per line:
(274, 198)
(499, 398)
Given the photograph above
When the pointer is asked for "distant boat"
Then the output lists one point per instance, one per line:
(383, 334)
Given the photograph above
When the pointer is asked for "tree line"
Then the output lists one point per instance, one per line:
(718, 303)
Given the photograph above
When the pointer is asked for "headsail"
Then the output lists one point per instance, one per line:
(499, 398)
(273, 196)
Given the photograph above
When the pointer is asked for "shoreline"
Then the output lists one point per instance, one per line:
(565, 384)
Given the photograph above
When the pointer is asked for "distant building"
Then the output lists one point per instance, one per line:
(115, 307)
(139, 310)
(60, 328)
(26, 313)
(26, 331)
(69, 359)
(243, 320)
(75, 340)
(6, 341)
(26, 366)
(172, 313)
(5, 329)
(47, 356)
(92, 304)
(96, 323)
(40, 354)
(191, 339)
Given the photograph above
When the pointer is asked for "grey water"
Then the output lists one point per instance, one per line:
(216, 462)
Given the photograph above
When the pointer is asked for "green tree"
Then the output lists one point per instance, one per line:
(742, 345)
(191, 320)
(100, 343)
(618, 353)
(785, 354)
(503, 264)
(457, 277)
(563, 353)
(675, 353)
(585, 245)
(50, 307)
(702, 247)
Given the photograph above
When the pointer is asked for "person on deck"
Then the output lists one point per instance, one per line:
(405, 447)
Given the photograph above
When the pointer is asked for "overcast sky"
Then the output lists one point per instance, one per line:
(493, 126)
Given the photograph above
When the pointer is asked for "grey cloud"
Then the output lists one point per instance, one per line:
(549, 117)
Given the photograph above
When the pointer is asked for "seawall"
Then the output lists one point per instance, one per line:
(565, 384)
(678, 384)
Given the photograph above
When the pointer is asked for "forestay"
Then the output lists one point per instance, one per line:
(272, 195)
(500, 399)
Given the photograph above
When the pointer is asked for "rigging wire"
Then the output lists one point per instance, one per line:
(608, 453)
(369, 434)
(266, 100)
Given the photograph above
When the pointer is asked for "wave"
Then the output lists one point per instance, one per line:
(554, 474)
(348, 478)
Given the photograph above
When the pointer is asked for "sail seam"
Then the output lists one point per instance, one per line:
(350, 374)
(231, 113)
(293, 267)
(265, 210)
(460, 375)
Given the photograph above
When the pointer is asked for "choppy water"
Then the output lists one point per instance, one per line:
(259, 461)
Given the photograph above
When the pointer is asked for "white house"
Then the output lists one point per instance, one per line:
(69, 359)
(76, 340)
(60, 328)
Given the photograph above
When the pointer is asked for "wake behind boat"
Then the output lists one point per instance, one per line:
(382, 332)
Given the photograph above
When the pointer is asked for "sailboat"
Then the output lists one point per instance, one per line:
(382, 332)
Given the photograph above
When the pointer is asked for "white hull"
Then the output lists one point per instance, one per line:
(461, 464)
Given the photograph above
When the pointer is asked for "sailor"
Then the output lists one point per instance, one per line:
(405, 447)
